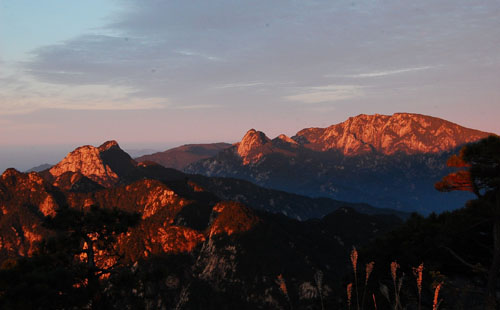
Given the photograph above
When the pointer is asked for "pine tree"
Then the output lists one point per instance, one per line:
(478, 171)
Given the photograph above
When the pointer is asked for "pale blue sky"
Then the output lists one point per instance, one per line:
(26, 24)
(161, 73)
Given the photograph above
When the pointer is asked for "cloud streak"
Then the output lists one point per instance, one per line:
(197, 107)
(326, 94)
(22, 95)
(382, 73)
(240, 85)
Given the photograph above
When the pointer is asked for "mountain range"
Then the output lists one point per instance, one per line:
(213, 238)
(211, 249)
(386, 161)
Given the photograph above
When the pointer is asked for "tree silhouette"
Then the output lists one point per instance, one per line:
(478, 171)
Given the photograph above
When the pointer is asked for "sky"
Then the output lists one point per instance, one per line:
(156, 73)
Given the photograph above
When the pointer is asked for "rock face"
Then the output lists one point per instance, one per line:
(255, 145)
(103, 165)
(389, 134)
(24, 200)
(180, 157)
(232, 218)
(386, 161)
(385, 134)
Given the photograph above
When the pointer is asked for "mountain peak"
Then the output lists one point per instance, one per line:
(108, 145)
(286, 139)
(10, 172)
(401, 132)
(254, 136)
(103, 164)
(87, 161)
(252, 146)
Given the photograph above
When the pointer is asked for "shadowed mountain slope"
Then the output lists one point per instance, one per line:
(179, 157)
(205, 252)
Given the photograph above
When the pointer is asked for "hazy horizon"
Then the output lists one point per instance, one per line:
(24, 157)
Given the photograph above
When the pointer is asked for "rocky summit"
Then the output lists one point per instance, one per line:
(389, 134)
(103, 165)
(384, 134)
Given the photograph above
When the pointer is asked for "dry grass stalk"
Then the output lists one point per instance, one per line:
(281, 282)
(374, 301)
(436, 302)
(394, 270)
(354, 262)
(282, 285)
(417, 272)
(354, 259)
(318, 278)
(369, 269)
(349, 294)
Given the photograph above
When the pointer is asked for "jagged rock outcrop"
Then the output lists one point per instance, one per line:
(255, 145)
(104, 164)
(285, 139)
(232, 217)
(385, 134)
(388, 134)
(76, 182)
(25, 198)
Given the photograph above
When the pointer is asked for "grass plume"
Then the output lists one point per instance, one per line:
(436, 302)
(349, 294)
(417, 272)
(354, 262)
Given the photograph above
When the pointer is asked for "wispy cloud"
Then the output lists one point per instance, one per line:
(32, 104)
(381, 73)
(21, 95)
(196, 107)
(191, 53)
(240, 85)
(252, 84)
(328, 93)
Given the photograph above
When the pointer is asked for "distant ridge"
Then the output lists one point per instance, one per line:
(386, 134)
(39, 168)
(89, 169)
(180, 157)
(389, 161)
